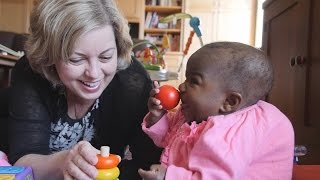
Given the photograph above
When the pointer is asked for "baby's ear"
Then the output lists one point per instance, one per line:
(231, 103)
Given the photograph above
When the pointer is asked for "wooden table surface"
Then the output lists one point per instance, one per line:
(306, 172)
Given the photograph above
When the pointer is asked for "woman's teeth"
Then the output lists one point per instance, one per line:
(91, 84)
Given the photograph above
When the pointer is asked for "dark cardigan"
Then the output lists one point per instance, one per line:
(35, 104)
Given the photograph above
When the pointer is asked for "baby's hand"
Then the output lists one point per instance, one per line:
(154, 104)
(157, 172)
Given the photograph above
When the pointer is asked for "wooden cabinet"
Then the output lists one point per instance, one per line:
(291, 39)
(132, 9)
(14, 15)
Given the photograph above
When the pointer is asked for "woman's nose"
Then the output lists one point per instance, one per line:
(92, 69)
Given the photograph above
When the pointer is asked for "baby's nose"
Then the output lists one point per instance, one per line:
(182, 87)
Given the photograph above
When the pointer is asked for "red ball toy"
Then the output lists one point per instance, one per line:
(169, 97)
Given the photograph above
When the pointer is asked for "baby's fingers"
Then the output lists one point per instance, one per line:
(154, 104)
(147, 175)
(156, 84)
(154, 91)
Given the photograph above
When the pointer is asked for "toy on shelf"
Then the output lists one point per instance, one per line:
(151, 56)
(107, 165)
(195, 25)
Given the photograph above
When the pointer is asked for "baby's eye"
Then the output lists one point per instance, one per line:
(194, 81)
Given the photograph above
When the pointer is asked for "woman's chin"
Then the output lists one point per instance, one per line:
(90, 95)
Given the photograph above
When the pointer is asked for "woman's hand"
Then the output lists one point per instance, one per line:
(157, 172)
(80, 162)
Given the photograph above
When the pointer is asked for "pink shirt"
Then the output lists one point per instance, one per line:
(4, 159)
(254, 143)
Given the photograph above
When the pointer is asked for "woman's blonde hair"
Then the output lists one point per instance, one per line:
(55, 26)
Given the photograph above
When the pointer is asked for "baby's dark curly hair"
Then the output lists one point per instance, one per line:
(242, 68)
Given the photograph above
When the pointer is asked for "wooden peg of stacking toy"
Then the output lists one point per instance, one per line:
(107, 165)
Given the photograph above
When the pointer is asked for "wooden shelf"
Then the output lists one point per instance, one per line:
(8, 60)
(164, 9)
(156, 30)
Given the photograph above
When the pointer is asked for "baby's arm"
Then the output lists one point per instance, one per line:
(155, 108)
(156, 172)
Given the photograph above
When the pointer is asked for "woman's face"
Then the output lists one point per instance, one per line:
(91, 66)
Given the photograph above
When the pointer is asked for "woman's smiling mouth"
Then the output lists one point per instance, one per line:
(91, 84)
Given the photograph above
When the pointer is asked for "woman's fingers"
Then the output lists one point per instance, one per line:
(87, 151)
(84, 166)
(74, 172)
(80, 161)
(66, 175)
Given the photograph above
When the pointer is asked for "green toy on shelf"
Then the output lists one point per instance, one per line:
(151, 57)
(194, 24)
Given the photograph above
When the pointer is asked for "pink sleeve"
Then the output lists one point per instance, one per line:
(166, 127)
(174, 172)
(158, 131)
(4, 159)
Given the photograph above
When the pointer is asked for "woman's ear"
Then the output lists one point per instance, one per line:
(231, 103)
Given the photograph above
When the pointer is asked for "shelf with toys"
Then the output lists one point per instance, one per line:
(156, 57)
(155, 30)
(152, 57)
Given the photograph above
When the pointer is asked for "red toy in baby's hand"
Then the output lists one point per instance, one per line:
(169, 97)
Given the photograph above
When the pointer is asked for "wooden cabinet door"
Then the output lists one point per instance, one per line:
(286, 40)
(132, 9)
(14, 15)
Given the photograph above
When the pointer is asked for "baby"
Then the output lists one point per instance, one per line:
(223, 129)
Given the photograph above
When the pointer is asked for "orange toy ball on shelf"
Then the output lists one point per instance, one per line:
(169, 97)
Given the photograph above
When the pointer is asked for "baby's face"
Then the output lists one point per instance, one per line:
(202, 93)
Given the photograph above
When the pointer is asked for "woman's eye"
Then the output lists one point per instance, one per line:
(105, 58)
(76, 61)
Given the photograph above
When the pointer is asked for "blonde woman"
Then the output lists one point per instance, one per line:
(77, 89)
